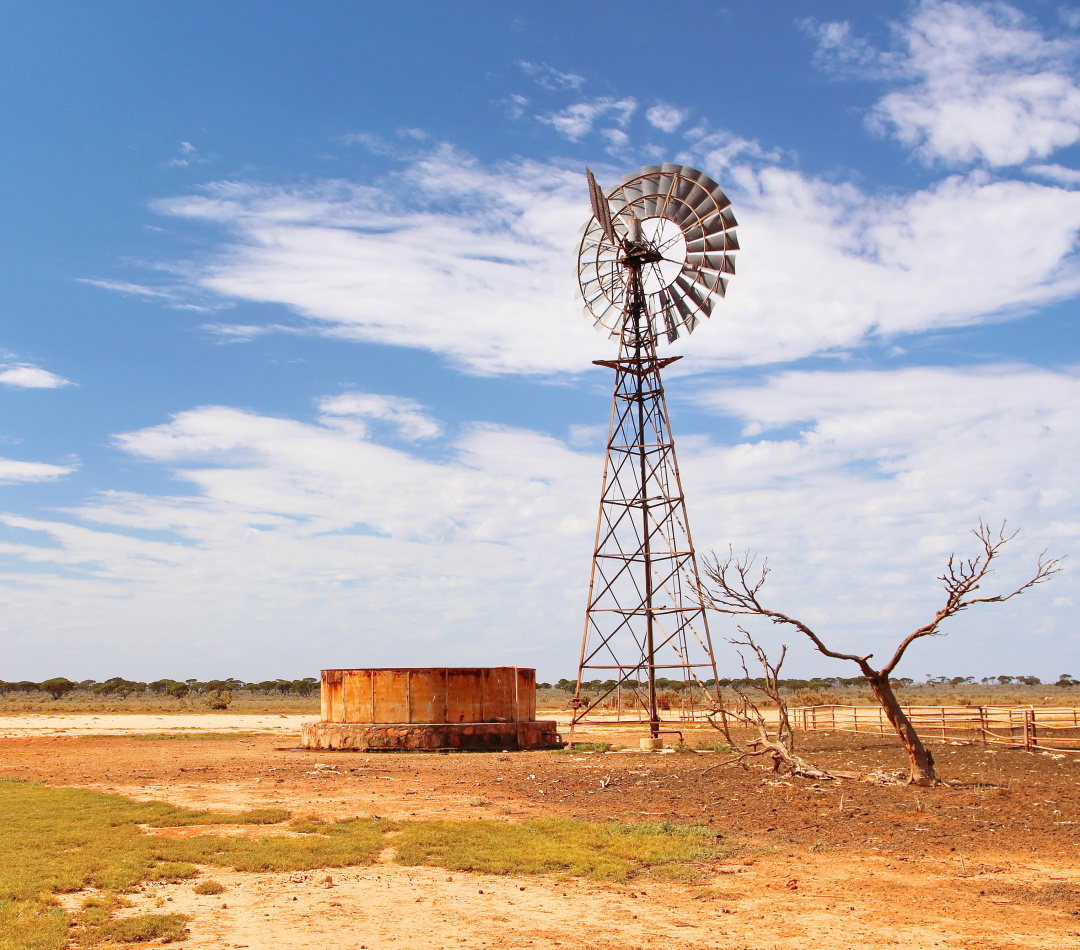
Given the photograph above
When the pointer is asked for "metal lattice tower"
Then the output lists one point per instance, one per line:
(648, 270)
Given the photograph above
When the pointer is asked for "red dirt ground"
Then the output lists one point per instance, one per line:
(990, 862)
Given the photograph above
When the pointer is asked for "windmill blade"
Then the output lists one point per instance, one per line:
(686, 193)
(686, 313)
(694, 292)
(693, 232)
(700, 177)
(718, 241)
(710, 282)
(717, 198)
(709, 209)
(670, 187)
(600, 208)
(718, 263)
(632, 193)
(706, 261)
(651, 190)
(670, 324)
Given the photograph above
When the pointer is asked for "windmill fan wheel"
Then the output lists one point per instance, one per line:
(685, 219)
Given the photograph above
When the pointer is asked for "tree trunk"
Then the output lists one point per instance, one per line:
(922, 762)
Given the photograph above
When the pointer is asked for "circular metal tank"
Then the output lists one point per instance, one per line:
(429, 695)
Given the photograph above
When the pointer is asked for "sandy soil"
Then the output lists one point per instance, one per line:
(992, 863)
(120, 724)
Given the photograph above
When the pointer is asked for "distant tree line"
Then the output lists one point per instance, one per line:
(117, 686)
(831, 682)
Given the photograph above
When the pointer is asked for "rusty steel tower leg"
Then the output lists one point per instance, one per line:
(644, 619)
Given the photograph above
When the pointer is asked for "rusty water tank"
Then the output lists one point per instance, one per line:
(491, 707)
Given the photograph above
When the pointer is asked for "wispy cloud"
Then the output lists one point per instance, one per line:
(125, 287)
(405, 416)
(13, 471)
(188, 155)
(25, 376)
(976, 83)
(551, 78)
(1058, 173)
(577, 120)
(666, 118)
(177, 296)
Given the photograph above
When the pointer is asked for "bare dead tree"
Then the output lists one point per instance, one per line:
(778, 744)
(736, 585)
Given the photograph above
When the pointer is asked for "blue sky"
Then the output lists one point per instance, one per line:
(292, 372)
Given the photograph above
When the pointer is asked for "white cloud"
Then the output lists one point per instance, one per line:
(839, 50)
(979, 85)
(828, 267)
(666, 118)
(858, 485)
(618, 141)
(176, 297)
(474, 262)
(31, 377)
(12, 471)
(515, 105)
(577, 120)
(467, 261)
(406, 416)
(551, 78)
(307, 544)
(187, 157)
(1058, 173)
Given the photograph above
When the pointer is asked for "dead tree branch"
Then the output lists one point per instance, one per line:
(735, 584)
(779, 745)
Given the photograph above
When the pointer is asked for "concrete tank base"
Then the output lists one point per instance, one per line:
(479, 736)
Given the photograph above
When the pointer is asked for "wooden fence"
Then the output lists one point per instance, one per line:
(1052, 728)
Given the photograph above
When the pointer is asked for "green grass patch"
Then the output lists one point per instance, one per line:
(62, 840)
(585, 747)
(209, 887)
(163, 927)
(713, 747)
(32, 925)
(607, 852)
(181, 817)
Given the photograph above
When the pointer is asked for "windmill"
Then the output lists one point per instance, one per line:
(654, 258)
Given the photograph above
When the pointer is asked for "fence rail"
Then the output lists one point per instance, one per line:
(1051, 728)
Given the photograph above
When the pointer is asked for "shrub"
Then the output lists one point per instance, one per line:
(218, 699)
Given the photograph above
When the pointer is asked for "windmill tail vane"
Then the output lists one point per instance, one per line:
(647, 270)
